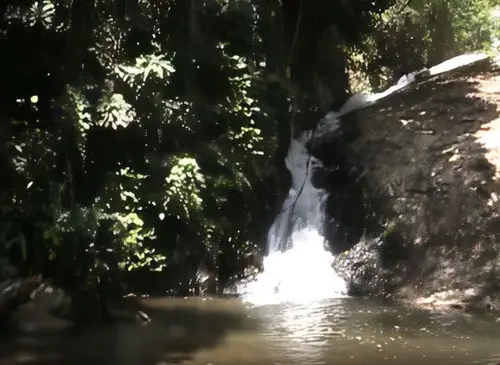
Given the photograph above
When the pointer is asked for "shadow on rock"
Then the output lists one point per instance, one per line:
(427, 165)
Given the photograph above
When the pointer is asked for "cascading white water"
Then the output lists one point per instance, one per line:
(298, 267)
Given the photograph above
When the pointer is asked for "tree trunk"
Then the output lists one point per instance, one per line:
(441, 32)
(317, 59)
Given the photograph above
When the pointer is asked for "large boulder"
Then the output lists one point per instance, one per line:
(32, 305)
(422, 172)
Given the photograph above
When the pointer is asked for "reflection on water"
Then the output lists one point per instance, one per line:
(223, 332)
(297, 325)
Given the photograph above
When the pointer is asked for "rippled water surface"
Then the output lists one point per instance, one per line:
(341, 331)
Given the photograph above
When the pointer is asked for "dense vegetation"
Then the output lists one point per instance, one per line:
(144, 141)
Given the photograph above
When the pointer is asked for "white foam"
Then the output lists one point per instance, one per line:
(298, 267)
(301, 274)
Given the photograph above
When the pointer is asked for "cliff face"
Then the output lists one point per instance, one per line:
(426, 165)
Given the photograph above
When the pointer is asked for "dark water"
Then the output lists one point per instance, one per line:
(343, 331)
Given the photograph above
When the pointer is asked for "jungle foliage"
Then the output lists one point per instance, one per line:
(142, 141)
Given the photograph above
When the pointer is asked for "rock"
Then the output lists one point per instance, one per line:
(16, 292)
(142, 317)
(127, 313)
(429, 198)
(29, 319)
(36, 306)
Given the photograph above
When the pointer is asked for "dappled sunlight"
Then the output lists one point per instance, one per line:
(432, 156)
(489, 137)
(489, 134)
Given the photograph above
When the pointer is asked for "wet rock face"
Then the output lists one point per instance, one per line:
(426, 180)
(345, 206)
(374, 266)
(360, 267)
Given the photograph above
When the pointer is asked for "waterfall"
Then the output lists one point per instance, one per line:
(298, 266)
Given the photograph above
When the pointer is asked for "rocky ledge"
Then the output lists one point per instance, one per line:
(426, 161)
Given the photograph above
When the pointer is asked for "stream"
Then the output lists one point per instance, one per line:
(200, 331)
